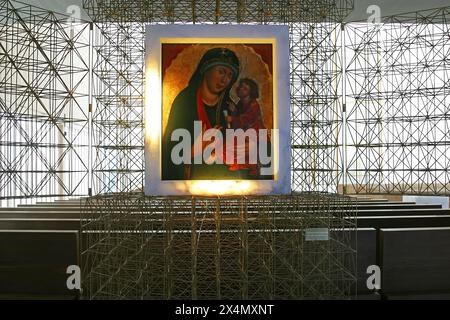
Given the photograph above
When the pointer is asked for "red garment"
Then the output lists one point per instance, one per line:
(202, 112)
(248, 117)
(206, 124)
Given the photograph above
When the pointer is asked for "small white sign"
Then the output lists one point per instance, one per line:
(317, 234)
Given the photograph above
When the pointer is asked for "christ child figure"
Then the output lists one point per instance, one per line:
(246, 115)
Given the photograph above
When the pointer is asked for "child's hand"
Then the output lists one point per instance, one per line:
(231, 106)
(199, 140)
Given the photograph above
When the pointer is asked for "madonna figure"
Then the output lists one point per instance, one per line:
(205, 99)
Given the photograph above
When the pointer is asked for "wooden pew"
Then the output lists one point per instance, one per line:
(40, 214)
(410, 221)
(402, 212)
(366, 245)
(67, 217)
(418, 296)
(415, 261)
(34, 263)
(39, 224)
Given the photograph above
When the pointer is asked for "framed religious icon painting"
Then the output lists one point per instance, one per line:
(217, 110)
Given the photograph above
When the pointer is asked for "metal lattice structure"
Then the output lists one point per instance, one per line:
(368, 101)
(43, 103)
(398, 102)
(369, 106)
(118, 109)
(315, 75)
(316, 109)
(139, 247)
(220, 11)
(217, 248)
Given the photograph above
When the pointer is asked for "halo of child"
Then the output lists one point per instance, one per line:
(177, 76)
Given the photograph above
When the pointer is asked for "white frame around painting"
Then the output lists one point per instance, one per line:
(156, 35)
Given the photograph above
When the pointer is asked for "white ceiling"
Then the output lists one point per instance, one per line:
(387, 7)
(392, 7)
